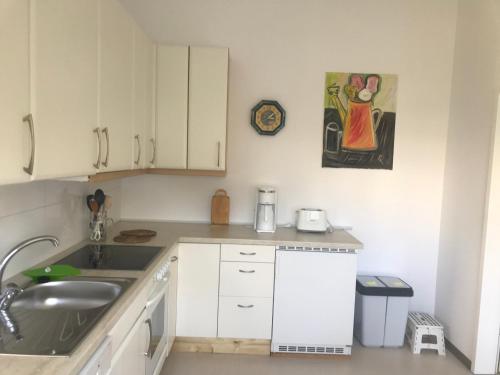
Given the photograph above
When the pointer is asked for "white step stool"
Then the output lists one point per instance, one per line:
(423, 331)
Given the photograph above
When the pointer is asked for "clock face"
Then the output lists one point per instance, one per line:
(268, 117)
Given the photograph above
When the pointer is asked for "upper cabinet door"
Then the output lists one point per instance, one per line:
(143, 97)
(64, 86)
(14, 89)
(172, 107)
(116, 91)
(208, 73)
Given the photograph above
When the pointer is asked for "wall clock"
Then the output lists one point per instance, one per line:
(268, 117)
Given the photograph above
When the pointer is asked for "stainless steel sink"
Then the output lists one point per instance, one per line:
(68, 295)
(53, 318)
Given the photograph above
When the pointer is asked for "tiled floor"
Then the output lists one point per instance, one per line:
(364, 361)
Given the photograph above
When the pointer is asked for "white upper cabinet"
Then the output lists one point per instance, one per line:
(172, 106)
(143, 98)
(116, 86)
(208, 73)
(63, 59)
(14, 89)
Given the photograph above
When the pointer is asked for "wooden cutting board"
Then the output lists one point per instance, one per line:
(131, 239)
(220, 207)
(138, 233)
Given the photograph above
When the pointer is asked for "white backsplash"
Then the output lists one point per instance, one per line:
(47, 207)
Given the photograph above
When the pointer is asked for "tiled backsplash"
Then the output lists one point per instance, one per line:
(47, 207)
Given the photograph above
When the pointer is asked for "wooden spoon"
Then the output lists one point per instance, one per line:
(108, 202)
(94, 206)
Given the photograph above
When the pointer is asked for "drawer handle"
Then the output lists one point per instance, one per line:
(246, 271)
(243, 253)
(245, 306)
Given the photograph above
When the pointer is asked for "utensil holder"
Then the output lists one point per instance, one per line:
(98, 225)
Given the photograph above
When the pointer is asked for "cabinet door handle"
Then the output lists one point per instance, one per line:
(153, 159)
(218, 154)
(105, 131)
(245, 306)
(243, 253)
(246, 271)
(97, 164)
(29, 119)
(148, 353)
(137, 138)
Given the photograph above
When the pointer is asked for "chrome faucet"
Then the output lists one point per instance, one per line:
(8, 293)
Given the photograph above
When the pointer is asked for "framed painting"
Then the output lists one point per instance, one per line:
(359, 120)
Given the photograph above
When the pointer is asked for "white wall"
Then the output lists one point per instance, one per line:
(281, 49)
(47, 207)
(472, 117)
(488, 322)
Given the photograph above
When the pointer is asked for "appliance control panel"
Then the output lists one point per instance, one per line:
(162, 273)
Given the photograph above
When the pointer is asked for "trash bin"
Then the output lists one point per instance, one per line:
(381, 310)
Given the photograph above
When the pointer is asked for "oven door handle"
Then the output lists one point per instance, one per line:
(149, 351)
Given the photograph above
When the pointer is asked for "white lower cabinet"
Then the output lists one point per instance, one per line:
(172, 297)
(246, 291)
(245, 317)
(247, 253)
(198, 290)
(130, 359)
(246, 279)
(100, 363)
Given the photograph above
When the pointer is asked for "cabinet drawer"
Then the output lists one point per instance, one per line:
(245, 279)
(247, 253)
(245, 317)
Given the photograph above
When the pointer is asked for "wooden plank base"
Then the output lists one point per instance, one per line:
(222, 345)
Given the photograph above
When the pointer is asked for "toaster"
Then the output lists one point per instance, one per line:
(312, 220)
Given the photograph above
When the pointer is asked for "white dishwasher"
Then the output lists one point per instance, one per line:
(314, 294)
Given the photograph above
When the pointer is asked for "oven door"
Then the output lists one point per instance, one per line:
(156, 313)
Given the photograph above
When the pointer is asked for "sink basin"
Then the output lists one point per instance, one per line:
(68, 295)
(53, 318)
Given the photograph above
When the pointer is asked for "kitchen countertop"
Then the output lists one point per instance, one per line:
(169, 233)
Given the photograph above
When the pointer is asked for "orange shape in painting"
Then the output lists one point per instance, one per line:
(359, 133)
